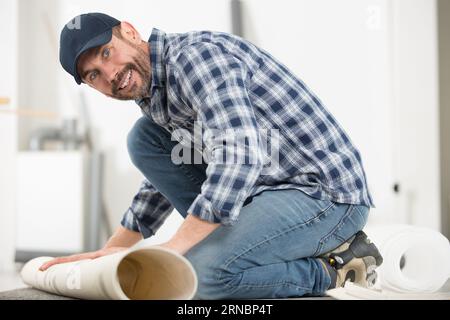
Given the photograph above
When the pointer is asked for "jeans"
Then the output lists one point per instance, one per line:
(271, 252)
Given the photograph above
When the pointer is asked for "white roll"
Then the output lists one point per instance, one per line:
(139, 273)
(415, 259)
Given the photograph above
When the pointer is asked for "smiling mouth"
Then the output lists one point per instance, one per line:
(126, 80)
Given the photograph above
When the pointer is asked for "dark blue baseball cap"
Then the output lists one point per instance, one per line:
(82, 33)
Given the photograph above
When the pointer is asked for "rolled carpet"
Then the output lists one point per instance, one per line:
(139, 273)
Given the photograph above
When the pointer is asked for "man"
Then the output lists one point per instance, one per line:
(257, 225)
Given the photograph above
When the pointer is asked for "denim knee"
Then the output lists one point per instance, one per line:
(215, 282)
(144, 138)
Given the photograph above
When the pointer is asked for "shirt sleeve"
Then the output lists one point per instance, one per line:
(212, 81)
(148, 211)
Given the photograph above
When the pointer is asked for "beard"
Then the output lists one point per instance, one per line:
(140, 67)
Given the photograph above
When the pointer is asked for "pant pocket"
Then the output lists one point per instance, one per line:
(353, 221)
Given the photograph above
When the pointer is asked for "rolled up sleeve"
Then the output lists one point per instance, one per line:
(148, 211)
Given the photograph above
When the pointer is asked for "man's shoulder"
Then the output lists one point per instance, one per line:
(192, 37)
(177, 43)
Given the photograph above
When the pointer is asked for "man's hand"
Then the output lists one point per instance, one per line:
(82, 256)
(120, 240)
(192, 231)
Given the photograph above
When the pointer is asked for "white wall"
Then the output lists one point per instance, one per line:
(373, 64)
(38, 65)
(416, 117)
(8, 131)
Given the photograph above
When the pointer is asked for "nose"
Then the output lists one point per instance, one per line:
(112, 74)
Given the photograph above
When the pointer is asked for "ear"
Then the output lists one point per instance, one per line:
(129, 32)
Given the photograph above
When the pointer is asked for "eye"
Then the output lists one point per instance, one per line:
(105, 53)
(93, 75)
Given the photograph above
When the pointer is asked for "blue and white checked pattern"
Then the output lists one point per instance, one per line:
(228, 83)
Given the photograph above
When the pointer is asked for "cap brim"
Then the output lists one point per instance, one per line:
(99, 40)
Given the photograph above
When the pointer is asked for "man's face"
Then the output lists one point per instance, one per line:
(119, 69)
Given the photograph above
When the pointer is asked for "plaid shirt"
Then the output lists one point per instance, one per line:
(225, 83)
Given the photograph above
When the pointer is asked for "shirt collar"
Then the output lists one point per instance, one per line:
(157, 41)
(158, 71)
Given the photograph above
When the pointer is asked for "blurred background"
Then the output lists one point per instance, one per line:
(380, 66)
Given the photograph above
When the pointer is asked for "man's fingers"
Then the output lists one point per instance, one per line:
(52, 262)
(76, 257)
(81, 256)
(47, 265)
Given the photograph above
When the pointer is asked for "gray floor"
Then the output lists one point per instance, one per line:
(30, 294)
(34, 294)
(13, 288)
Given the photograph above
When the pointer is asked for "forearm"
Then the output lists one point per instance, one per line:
(123, 237)
(192, 231)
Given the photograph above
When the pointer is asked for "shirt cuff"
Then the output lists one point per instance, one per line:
(203, 209)
(129, 221)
